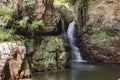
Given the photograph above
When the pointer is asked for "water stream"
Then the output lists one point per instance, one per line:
(71, 32)
(63, 26)
(83, 71)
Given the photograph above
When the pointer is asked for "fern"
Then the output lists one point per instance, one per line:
(23, 22)
(6, 34)
(36, 24)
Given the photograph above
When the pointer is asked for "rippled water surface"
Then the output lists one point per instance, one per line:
(83, 71)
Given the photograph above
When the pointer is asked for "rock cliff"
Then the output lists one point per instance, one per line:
(101, 32)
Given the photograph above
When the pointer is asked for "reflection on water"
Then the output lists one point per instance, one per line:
(83, 72)
(62, 75)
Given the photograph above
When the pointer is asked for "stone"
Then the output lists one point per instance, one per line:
(11, 54)
(109, 1)
(66, 14)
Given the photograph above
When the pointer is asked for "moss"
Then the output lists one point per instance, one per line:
(50, 49)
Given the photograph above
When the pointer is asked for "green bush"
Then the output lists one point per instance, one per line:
(8, 11)
(6, 34)
(37, 24)
(23, 23)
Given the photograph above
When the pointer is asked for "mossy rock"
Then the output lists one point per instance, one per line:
(50, 53)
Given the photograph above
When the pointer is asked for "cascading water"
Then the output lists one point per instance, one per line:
(63, 26)
(71, 32)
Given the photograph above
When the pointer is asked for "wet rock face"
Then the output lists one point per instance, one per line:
(102, 30)
(11, 54)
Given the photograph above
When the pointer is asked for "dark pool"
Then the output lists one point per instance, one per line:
(83, 71)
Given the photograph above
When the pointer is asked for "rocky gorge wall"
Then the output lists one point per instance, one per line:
(38, 26)
(101, 33)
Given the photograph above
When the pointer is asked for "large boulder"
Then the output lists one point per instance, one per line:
(12, 56)
(101, 34)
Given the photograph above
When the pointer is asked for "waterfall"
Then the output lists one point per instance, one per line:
(72, 39)
(63, 26)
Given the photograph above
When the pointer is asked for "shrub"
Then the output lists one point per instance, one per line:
(37, 23)
(6, 34)
(8, 11)
(23, 22)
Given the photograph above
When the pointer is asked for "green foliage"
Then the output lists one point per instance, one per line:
(7, 12)
(101, 37)
(23, 22)
(41, 47)
(6, 34)
(49, 56)
(23, 40)
(35, 24)
(48, 48)
(38, 23)
(64, 2)
(50, 59)
(1, 22)
(94, 26)
(105, 38)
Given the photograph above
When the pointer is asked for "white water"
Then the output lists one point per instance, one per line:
(75, 50)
